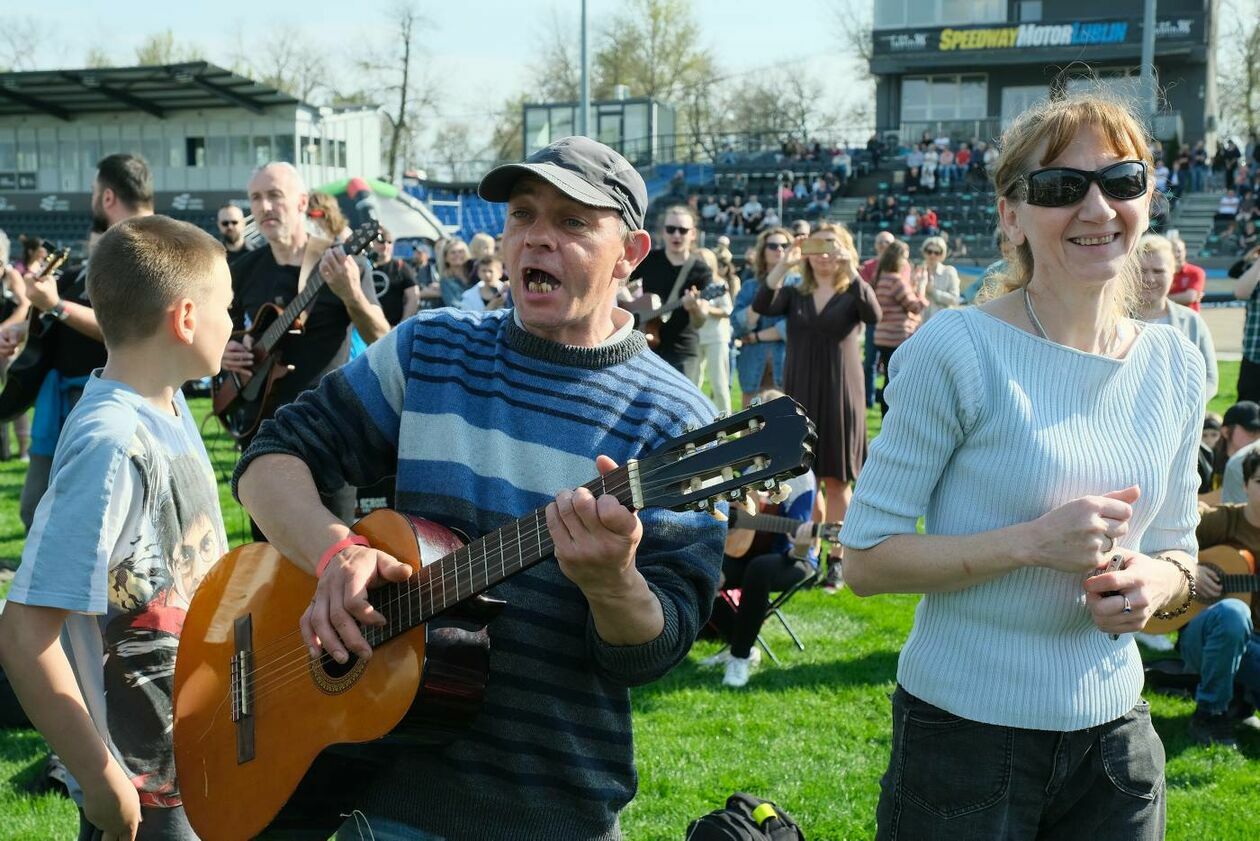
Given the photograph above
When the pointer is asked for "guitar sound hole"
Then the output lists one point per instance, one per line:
(336, 670)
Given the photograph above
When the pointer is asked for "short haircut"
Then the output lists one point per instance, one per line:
(140, 267)
(1251, 462)
(488, 261)
(128, 176)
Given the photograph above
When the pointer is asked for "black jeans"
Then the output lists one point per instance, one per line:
(757, 578)
(952, 779)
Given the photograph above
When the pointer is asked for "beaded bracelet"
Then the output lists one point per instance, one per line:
(1190, 597)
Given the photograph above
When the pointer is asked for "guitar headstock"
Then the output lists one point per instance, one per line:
(712, 291)
(362, 237)
(759, 446)
(55, 261)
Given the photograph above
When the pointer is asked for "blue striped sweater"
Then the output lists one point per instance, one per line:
(484, 423)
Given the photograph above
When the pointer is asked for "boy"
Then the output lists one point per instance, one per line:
(490, 292)
(127, 530)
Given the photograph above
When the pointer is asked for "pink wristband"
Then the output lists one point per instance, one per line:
(331, 552)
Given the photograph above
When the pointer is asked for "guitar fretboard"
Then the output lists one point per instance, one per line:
(475, 568)
(1239, 583)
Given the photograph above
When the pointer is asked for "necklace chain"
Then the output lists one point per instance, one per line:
(1041, 331)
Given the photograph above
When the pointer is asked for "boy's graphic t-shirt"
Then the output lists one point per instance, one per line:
(128, 528)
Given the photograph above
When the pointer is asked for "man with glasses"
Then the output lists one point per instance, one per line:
(232, 231)
(672, 273)
(395, 281)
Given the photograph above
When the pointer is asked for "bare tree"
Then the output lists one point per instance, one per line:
(97, 57)
(19, 40)
(854, 30)
(451, 147)
(292, 62)
(162, 48)
(557, 74)
(1238, 68)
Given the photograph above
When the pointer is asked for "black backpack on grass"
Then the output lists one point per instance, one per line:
(745, 818)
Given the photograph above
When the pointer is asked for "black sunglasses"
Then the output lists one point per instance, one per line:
(776, 246)
(226, 222)
(676, 229)
(1059, 186)
(932, 251)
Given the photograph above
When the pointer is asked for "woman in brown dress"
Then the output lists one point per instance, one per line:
(823, 370)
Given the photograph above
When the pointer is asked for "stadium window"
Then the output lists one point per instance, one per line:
(262, 149)
(537, 129)
(926, 98)
(341, 153)
(284, 148)
(216, 151)
(8, 153)
(1030, 10)
(27, 155)
(67, 155)
(153, 149)
(195, 151)
(242, 155)
(91, 152)
(899, 14)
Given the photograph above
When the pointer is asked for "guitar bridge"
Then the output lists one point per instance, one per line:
(242, 678)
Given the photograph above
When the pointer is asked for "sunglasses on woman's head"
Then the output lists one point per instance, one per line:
(1059, 186)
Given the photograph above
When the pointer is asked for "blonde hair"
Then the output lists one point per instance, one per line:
(939, 242)
(1048, 128)
(333, 221)
(760, 269)
(847, 258)
(1156, 243)
(481, 245)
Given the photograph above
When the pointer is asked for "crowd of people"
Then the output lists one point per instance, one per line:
(1037, 476)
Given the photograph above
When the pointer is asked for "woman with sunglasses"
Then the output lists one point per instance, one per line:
(1043, 436)
(823, 367)
(760, 337)
(939, 282)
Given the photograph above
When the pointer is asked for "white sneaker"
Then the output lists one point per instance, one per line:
(1155, 642)
(737, 669)
(724, 656)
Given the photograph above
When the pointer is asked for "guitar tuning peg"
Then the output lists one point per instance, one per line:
(690, 427)
(702, 505)
(780, 494)
(756, 401)
(735, 495)
(722, 415)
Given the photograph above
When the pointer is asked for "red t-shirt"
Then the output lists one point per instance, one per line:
(963, 157)
(1190, 277)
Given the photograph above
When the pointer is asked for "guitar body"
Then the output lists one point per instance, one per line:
(641, 307)
(241, 405)
(1226, 561)
(428, 679)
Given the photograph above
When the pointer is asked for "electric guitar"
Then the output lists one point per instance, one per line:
(1236, 569)
(648, 320)
(24, 377)
(253, 711)
(241, 403)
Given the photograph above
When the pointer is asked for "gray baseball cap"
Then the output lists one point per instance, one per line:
(583, 169)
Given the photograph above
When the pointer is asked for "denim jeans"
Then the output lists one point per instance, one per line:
(1222, 646)
(750, 364)
(950, 778)
(868, 365)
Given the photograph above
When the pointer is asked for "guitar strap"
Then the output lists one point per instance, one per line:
(680, 280)
(315, 248)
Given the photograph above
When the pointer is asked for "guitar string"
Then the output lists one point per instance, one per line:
(296, 662)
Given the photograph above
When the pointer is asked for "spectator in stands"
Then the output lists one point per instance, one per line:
(785, 191)
(1154, 306)
(752, 211)
(1199, 167)
(912, 185)
(761, 346)
(940, 283)
(1232, 155)
(914, 160)
(929, 223)
(490, 292)
(874, 147)
(867, 271)
(723, 217)
(890, 215)
(869, 212)
(931, 160)
(820, 198)
(1246, 289)
(823, 370)
(1177, 178)
(990, 159)
(396, 287)
(232, 231)
(454, 280)
(1227, 209)
(945, 168)
(1248, 238)
(962, 163)
(842, 164)
(799, 190)
(424, 268)
(13, 312)
(1189, 281)
(902, 304)
(709, 210)
(910, 225)
(1161, 176)
(771, 218)
(676, 273)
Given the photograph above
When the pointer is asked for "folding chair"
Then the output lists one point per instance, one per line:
(775, 609)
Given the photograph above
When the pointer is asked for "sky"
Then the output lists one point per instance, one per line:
(479, 51)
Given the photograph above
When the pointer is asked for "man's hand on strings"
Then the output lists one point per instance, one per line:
(595, 539)
(331, 619)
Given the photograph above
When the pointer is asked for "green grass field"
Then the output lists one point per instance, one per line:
(812, 735)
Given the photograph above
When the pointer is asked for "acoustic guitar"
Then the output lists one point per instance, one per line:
(1236, 569)
(648, 313)
(25, 376)
(774, 524)
(253, 712)
(241, 403)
